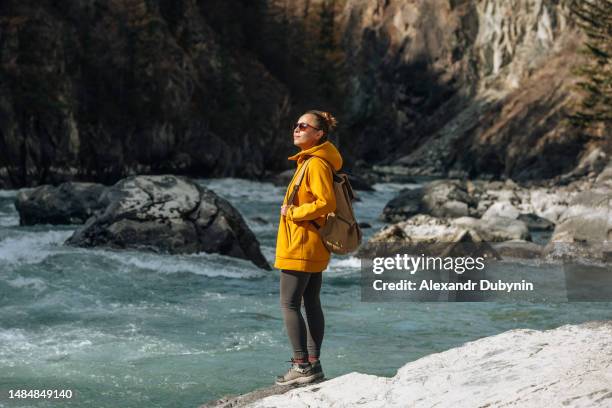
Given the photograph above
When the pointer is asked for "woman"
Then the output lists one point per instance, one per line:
(300, 253)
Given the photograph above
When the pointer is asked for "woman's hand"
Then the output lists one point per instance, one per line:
(284, 210)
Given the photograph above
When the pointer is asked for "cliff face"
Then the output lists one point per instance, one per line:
(101, 89)
(478, 87)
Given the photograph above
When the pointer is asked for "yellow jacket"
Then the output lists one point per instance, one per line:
(298, 244)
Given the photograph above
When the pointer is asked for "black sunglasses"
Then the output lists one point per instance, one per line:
(303, 126)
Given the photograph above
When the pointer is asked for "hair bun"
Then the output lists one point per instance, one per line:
(325, 120)
(332, 123)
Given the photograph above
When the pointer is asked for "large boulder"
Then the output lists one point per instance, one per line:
(424, 228)
(447, 198)
(68, 203)
(548, 204)
(169, 214)
(585, 228)
(604, 179)
(495, 229)
(421, 228)
(439, 198)
(565, 366)
(403, 206)
(503, 209)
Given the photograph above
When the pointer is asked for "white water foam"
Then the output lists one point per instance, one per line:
(240, 190)
(343, 267)
(241, 341)
(19, 347)
(8, 215)
(211, 265)
(37, 284)
(32, 247)
(9, 220)
(8, 193)
(351, 263)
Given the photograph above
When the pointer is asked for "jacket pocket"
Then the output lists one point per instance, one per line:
(295, 240)
(314, 249)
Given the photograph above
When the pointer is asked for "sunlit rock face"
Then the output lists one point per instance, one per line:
(475, 88)
(100, 90)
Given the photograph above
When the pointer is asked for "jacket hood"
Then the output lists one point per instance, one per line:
(326, 151)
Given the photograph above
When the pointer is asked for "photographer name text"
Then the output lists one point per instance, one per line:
(469, 285)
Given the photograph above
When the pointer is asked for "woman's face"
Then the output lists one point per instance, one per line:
(306, 133)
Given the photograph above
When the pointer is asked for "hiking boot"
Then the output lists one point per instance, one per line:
(299, 373)
(317, 369)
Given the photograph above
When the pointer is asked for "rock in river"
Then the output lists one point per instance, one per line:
(169, 214)
(68, 203)
(440, 198)
(427, 229)
(585, 229)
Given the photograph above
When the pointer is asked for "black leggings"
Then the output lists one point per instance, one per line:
(306, 340)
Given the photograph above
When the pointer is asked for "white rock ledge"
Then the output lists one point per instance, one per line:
(570, 366)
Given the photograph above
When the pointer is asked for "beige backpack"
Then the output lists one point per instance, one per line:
(341, 233)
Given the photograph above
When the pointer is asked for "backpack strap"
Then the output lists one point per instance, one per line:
(331, 168)
(317, 226)
(296, 186)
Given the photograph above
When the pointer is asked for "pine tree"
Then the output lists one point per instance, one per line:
(595, 18)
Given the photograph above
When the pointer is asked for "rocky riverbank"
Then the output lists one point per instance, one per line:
(567, 366)
(537, 218)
